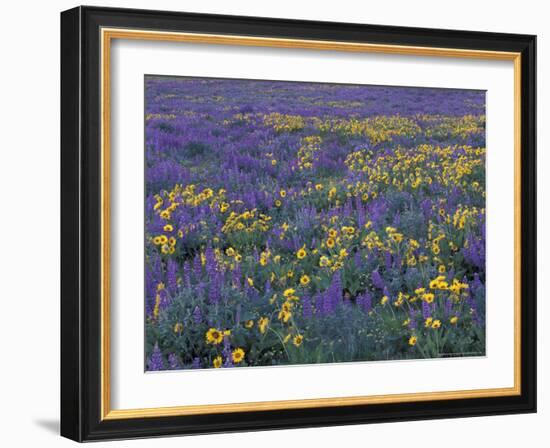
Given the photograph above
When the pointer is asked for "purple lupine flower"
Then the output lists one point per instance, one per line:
(426, 205)
(196, 364)
(377, 280)
(267, 287)
(412, 318)
(215, 288)
(155, 361)
(197, 315)
(448, 307)
(327, 303)
(186, 274)
(364, 302)
(388, 260)
(426, 310)
(318, 300)
(211, 264)
(476, 284)
(173, 361)
(197, 267)
(307, 309)
(336, 291)
(226, 352)
(171, 276)
(472, 305)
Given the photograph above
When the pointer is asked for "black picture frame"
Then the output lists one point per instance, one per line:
(81, 224)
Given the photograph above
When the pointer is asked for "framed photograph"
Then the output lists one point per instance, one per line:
(275, 224)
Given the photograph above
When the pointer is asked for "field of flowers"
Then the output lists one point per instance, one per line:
(298, 223)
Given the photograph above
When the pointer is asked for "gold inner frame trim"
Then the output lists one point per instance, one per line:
(107, 35)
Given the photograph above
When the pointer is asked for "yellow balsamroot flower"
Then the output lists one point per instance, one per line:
(436, 324)
(384, 300)
(168, 228)
(273, 162)
(217, 363)
(319, 187)
(178, 328)
(439, 283)
(406, 322)
(333, 233)
(428, 322)
(289, 292)
(454, 320)
(227, 333)
(282, 193)
(397, 237)
(324, 261)
(278, 203)
(343, 253)
(230, 252)
(249, 323)
(284, 315)
(350, 230)
(419, 291)
(412, 341)
(304, 280)
(157, 241)
(238, 258)
(428, 297)
(263, 261)
(287, 338)
(330, 243)
(441, 269)
(262, 324)
(400, 300)
(301, 254)
(276, 259)
(163, 239)
(237, 355)
(214, 336)
(172, 241)
(250, 281)
(298, 339)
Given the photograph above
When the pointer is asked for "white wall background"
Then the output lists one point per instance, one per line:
(29, 218)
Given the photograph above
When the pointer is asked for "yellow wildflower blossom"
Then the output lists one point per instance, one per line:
(237, 355)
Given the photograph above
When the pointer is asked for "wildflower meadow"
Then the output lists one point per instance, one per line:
(302, 223)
